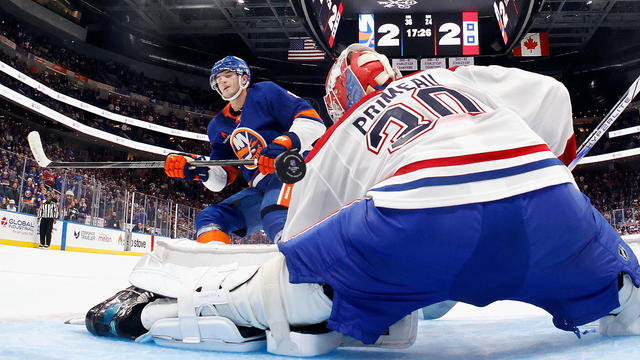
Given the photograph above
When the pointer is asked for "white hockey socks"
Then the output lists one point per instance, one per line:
(625, 319)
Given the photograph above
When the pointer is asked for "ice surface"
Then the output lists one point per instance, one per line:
(39, 289)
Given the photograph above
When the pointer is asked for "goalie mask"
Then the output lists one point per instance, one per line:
(231, 63)
(358, 71)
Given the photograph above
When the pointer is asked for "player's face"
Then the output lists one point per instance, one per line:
(227, 82)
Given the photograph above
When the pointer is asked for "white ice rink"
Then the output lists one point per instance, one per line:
(39, 289)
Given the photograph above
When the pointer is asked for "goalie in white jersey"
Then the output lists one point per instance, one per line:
(451, 184)
(441, 185)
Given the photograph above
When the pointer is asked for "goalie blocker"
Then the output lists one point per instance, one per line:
(222, 298)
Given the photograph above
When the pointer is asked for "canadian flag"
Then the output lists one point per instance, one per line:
(533, 44)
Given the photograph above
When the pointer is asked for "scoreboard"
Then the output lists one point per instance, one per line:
(328, 15)
(420, 34)
(507, 13)
(434, 28)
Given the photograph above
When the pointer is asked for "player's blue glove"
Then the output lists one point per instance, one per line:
(177, 166)
(268, 155)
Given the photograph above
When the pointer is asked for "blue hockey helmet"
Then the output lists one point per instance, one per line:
(232, 63)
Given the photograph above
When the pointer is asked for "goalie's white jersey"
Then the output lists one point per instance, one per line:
(440, 138)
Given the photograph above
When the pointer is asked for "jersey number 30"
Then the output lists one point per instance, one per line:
(400, 124)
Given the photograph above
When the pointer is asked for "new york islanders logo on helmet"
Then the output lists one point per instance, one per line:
(247, 144)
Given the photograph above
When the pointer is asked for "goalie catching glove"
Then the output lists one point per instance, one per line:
(177, 166)
(268, 155)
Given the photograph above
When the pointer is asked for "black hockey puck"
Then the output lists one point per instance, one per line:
(290, 167)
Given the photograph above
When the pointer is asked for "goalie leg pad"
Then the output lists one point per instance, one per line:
(304, 344)
(251, 297)
(175, 262)
(160, 309)
(217, 333)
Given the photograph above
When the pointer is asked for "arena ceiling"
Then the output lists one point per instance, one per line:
(608, 31)
(265, 26)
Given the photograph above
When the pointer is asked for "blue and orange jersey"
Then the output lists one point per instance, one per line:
(40, 198)
(28, 195)
(4, 179)
(268, 111)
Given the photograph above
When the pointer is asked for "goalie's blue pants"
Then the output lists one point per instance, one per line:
(549, 248)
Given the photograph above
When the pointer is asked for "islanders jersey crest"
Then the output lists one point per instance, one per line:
(247, 144)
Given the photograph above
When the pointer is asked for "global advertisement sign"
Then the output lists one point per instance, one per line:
(24, 228)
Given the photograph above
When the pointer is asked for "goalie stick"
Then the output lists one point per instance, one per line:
(606, 122)
(289, 166)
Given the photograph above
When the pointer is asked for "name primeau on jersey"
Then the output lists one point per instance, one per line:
(368, 113)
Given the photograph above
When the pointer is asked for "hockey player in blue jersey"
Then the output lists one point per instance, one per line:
(261, 120)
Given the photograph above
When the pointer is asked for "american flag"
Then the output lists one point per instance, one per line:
(304, 49)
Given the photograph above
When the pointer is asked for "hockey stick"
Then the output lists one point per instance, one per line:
(289, 166)
(606, 122)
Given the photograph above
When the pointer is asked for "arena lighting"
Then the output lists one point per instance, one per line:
(94, 109)
(53, 115)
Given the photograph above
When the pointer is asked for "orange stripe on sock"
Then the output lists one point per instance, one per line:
(214, 235)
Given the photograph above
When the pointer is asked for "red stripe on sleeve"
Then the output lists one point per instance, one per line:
(569, 151)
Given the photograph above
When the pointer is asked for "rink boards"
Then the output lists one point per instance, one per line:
(19, 229)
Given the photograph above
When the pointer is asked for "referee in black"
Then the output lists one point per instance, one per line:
(47, 214)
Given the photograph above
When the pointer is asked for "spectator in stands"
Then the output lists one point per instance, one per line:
(3, 203)
(12, 205)
(49, 178)
(82, 207)
(113, 221)
(33, 175)
(30, 184)
(40, 195)
(28, 197)
(69, 211)
(139, 228)
(5, 182)
(141, 217)
(13, 193)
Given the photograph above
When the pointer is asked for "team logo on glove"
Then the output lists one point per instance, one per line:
(247, 144)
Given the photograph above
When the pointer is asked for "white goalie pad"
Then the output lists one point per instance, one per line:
(216, 333)
(213, 281)
(190, 253)
(400, 335)
(174, 263)
(301, 344)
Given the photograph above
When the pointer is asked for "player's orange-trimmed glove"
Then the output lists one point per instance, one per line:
(268, 155)
(177, 166)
